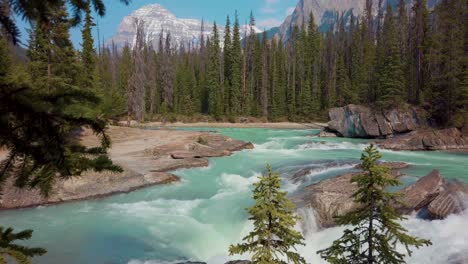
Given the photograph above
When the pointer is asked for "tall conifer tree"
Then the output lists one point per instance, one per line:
(375, 229)
(273, 239)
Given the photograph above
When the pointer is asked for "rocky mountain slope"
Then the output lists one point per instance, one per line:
(325, 12)
(157, 19)
(321, 9)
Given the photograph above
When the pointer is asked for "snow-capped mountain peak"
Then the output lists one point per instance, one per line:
(157, 20)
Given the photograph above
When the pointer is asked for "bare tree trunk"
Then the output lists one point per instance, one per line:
(136, 86)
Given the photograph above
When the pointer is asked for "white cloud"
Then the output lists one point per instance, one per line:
(269, 7)
(268, 23)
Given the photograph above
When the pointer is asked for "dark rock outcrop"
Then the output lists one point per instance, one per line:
(359, 121)
(428, 139)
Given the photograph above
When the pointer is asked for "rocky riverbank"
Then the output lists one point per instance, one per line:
(146, 156)
(428, 139)
(403, 128)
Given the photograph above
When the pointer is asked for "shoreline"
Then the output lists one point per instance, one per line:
(279, 125)
(147, 156)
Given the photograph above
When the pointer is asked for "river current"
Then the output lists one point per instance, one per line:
(200, 217)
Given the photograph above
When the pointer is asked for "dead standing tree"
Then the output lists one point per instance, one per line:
(136, 84)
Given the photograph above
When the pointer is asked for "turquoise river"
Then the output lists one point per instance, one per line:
(200, 217)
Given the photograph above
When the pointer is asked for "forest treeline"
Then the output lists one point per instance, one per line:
(402, 54)
(399, 55)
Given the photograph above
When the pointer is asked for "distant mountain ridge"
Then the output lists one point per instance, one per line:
(319, 9)
(185, 31)
(158, 19)
(325, 11)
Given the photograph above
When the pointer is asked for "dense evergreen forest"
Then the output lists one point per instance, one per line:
(399, 55)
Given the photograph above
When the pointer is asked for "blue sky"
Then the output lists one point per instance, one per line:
(268, 13)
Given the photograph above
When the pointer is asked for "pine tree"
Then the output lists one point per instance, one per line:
(448, 59)
(391, 75)
(403, 29)
(418, 45)
(313, 49)
(19, 253)
(227, 65)
(236, 70)
(375, 229)
(357, 75)
(30, 10)
(167, 73)
(215, 106)
(343, 86)
(265, 77)
(37, 127)
(53, 64)
(125, 71)
(273, 239)
(88, 54)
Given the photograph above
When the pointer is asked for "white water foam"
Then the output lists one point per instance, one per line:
(322, 170)
(232, 184)
(308, 224)
(159, 207)
(331, 146)
(449, 238)
(275, 147)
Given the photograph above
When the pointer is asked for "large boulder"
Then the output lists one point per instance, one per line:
(453, 199)
(428, 139)
(358, 121)
(332, 197)
(422, 193)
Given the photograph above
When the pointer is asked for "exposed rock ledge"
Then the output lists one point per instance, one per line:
(428, 139)
(331, 197)
(358, 121)
(145, 155)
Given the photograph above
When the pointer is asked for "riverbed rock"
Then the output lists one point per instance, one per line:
(358, 121)
(332, 197)
(327, 134)
(432, 193)
(394, 167)
(428, 139)
(422, 193)
(453, 199)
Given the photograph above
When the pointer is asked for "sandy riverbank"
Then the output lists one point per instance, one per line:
(280, 125)
(146, 157)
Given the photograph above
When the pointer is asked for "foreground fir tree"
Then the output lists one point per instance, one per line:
(375, 229)
(19, 253)
(273, 239)
(35, 128)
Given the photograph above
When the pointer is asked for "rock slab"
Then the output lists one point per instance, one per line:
(428, 139)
